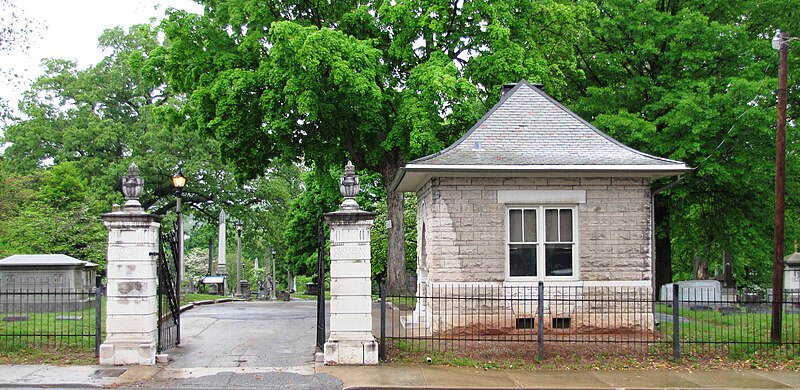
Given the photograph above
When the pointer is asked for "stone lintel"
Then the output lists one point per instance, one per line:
(128, 217)
(348, 216)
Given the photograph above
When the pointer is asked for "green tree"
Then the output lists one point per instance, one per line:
(690, 81)
(55, 214)
(93, 123)
(377, 82)
(320, 196)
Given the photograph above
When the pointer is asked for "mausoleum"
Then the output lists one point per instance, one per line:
(51, 272)
(43, 283)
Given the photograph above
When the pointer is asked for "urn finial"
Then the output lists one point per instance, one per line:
(349, 187)
(132, 185)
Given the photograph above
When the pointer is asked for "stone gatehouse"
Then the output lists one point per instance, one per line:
(531, 193)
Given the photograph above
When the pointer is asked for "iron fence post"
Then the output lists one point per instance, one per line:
(540, 323)
(177, 262)
(98, 307)
(676, 327)
(382, 347)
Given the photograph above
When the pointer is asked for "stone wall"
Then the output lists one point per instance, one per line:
(465, 227)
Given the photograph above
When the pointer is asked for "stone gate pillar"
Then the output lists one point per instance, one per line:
(131, 305)
(351, 340)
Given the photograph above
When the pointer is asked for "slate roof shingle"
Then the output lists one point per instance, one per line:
(529, 133)
(527, 127)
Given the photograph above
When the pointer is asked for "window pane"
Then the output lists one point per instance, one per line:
(565, 224)
(522, 260)
(558, 259)
(551, 225)
(515, 225)
(530, 225)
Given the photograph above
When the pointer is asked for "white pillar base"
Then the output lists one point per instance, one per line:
(351, 352)
(127, 353)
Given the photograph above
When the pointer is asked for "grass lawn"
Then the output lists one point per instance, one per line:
(189, 298)
(60, 338)
(742, 331)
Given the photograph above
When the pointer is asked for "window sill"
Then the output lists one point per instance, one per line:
(524, 282)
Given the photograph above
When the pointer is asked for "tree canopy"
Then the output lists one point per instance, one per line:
(693, 81)
(378, 83)
(242, 95)
(85, 126)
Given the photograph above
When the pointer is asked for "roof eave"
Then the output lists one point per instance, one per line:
(413, 176)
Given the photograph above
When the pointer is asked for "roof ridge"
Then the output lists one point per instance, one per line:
(477, 124)
(507, 95)
(598, 131)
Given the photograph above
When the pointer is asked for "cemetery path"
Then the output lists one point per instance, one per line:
(246, 344)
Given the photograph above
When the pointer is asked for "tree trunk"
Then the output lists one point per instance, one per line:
(700, 264)
(663, 255)
(396, 262)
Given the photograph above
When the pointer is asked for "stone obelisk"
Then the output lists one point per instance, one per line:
(221, 268)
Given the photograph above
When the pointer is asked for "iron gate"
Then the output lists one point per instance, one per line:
(320, 287)
(169, 315)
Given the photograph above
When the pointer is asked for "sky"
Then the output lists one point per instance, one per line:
(70, 30)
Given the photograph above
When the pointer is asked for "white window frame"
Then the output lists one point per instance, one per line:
(541, 242)
(541, 200)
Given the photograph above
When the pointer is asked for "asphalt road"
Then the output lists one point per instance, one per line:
(246, 345)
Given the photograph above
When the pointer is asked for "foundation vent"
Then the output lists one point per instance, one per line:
(526, 323)
(561, 323)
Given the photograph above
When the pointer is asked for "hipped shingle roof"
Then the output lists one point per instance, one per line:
(529, 133)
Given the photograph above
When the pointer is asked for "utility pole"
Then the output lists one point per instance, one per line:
(780, 43)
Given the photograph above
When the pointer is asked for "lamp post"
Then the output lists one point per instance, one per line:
(239, 258)
(274, 284)
(178, 181)
(781, 43)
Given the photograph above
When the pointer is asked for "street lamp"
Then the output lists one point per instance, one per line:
(781, 43)
(178, 181)
(239, 258)
(274, 285)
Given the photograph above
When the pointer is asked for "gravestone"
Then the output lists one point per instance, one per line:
(694, 292)
(791, 273)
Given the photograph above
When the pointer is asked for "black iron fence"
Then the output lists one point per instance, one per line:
(45, 316)
(549, 321)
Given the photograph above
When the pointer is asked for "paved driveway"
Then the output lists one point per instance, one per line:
(246, 345)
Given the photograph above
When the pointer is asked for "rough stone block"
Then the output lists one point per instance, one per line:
(136, 325)
(628, 181)
(331, 353)
(106, 354)
(450, 194)
(595, 181)
(370, 352)
(349, 251)
(352, 304)
(132, 306)
(351, 322)
(351, 269)
(455, 181)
